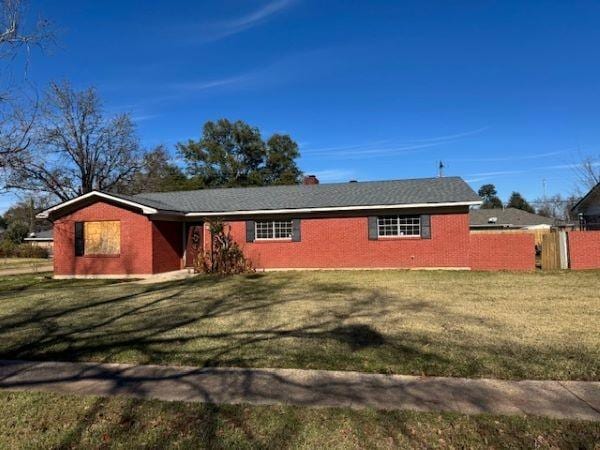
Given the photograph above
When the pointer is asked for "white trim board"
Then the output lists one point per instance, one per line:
(145, 209)
(331, 208)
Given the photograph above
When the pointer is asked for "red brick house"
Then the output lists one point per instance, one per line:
(419, 223)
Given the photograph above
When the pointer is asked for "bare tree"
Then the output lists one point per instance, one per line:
(588, 172)
(14, 35)
(17, 111)
(74, 148)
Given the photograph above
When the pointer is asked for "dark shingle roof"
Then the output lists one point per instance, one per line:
(507, 217)
(589, 199)
(46, 234)
(397, 192)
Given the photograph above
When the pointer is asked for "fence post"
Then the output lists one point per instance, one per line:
(564, 249)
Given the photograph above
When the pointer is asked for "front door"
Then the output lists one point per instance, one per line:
(194, 242)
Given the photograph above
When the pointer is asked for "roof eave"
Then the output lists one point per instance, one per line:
(329, 209)
(144, 208)
(575, 207)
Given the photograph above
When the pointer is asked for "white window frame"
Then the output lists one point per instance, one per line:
(273, 227)
(399, 233)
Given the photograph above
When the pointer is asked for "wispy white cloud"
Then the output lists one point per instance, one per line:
(205, 85)
(453, 136)
(334, 175)
(387, 147)
(569, 166)
(348, 147)
(222, 29)
(144, 117)
(282, 71)
(520, 157)
(481, 176)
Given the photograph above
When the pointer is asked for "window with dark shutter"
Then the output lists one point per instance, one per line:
(79, 239)
(373, 228)
(426, 226)
(400, 226)
(250, 230)
(296, 235)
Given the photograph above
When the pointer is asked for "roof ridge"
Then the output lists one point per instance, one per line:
(340, 183)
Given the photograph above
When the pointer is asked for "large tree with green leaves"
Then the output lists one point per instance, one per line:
(158, 173)
(517, 201)
(234, 154)
(490, 197)
(24, 212)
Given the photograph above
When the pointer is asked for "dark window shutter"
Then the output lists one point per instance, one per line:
(296, 235)
(249, 230)
(79, 241)
(425, 226)
(373, 228)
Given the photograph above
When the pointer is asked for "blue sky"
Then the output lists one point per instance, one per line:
(503, 92)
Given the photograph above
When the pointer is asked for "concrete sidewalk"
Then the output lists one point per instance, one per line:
(27, 270)
(316, 388)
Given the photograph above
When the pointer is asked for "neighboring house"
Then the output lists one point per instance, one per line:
(41, 239)
(588, 209)
(509, 219)
(383, 224)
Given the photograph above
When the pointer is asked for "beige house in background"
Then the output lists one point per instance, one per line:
(44, 239)
(509, 219)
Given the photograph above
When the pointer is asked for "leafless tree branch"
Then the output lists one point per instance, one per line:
(74, 149)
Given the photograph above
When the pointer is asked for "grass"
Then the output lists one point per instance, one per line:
(18, 263)
(41, 420)
(498, 325)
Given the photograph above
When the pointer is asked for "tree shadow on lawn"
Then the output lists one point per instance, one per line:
(156, 424)
(40, 283)
(109, 423)
(182, 323)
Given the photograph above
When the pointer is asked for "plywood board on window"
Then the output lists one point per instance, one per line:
(102, 238)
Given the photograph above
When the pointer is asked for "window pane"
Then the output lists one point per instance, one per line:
(264, 230)
(102, 238)
(399, 225)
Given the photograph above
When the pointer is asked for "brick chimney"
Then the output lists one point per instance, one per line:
(310, 179)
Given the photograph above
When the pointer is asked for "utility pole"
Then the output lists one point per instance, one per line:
(441, 169)
(544, 189)
(31, 215)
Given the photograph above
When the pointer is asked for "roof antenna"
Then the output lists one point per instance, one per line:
(441, 169)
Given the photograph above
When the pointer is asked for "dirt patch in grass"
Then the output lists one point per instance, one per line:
(40, 420)
(498, 325)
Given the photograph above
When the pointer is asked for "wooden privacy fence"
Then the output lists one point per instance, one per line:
(549, 246)
(550, 251)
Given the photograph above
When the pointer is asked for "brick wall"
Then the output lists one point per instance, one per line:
(584, 249)
(341, 242)
(502, 251)
(344, 243)
(144, 246)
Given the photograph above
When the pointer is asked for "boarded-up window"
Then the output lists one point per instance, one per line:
(102, 238)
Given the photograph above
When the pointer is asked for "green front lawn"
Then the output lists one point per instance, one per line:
(36, 420)
(500, 325)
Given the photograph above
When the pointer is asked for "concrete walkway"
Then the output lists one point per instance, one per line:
(24, 270)
(317, 388)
